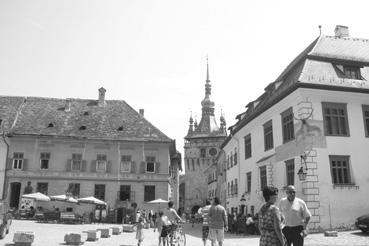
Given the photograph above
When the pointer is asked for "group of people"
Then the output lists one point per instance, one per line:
(281, 225)
(285, 224)
(166, 223)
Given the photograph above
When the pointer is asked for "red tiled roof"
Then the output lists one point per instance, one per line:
(47, 116)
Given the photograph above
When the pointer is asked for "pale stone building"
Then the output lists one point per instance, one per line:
(309, 128)
(202, 145)
(101, 148)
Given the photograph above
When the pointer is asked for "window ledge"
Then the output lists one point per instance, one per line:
(346, 186)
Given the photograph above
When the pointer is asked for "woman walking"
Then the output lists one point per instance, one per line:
(270, 220)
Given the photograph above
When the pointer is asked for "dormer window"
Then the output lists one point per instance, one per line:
(352, 72)
(82, 128)
(86, 113)
(50, 125)
(120, 128)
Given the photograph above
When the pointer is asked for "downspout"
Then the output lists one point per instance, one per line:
(5, 190)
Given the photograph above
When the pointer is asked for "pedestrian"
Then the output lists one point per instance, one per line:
(163, 225)
(250, 225)
(139, 232)
(218, 222)
(270, 220)
(204, 212)
(296, 217)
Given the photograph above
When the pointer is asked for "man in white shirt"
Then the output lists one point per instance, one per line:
(296, 217)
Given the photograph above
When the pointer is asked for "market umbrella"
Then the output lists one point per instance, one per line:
(63, 198)
(37, 197)
(91, 200)
(158, 201)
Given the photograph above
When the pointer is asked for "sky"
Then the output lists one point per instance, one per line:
(152, 54)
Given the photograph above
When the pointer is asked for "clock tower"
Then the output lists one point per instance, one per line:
(202, 145)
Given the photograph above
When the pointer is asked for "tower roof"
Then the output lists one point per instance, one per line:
(207, 126)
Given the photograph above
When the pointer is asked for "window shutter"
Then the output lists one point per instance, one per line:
(9, 164)
(133, 167)
(83, 168)
(25, 165)
(142, 167)
(108, 166)
(68, 166)
(93, 166)
(157, 167)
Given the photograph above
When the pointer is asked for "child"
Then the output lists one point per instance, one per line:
(139, 233)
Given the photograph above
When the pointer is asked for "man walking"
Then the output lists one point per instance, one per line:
(218, 222)
(205, 221)
(296, 217)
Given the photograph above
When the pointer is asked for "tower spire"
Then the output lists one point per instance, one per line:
(207, 69)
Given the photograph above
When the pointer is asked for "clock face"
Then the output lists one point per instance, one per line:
(213, 151)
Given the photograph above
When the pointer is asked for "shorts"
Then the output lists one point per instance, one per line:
(165, 231)
(216, 235)
(205, 232)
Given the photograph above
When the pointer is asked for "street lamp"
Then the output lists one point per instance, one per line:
(243, 203)
(302, 173)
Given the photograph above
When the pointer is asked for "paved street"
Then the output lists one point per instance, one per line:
(53, 234)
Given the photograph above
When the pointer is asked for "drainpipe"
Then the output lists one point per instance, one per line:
(5, 190)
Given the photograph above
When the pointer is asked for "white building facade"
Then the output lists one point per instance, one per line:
(313, 120)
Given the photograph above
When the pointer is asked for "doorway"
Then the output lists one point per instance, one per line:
(15, 189)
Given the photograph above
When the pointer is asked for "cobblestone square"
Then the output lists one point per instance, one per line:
(53, 234)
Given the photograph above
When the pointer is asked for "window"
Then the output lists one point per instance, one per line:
(248, 146)
(228, 189)
(44, 160)
(290, 171)
(232, 188)
(125, 163)
(76, 162)
(42, 188)
(227, 162)
(366, 119)
(231, 158)
(263, 177)
(149, 194)
(335, 119)
(150, 164)
(193, 164)
(235, 187)
(74, 189)
(203, 153)
(248, 182)
(268, 135)
(235, 156)
(101, 163)
(100, 191)
(18, 160)
(340, 169)
(288, 130)
(352, 72)
(125, 193)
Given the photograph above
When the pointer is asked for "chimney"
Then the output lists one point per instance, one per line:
(68, 103)
(341, 31)
(142, 112)
(102, 97)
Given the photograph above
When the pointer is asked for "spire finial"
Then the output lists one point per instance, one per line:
(320, 30)
(207, 69)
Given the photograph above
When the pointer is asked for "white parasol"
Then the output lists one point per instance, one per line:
(91, 200)
(37, 197)
(158, 201)
(63, 198)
